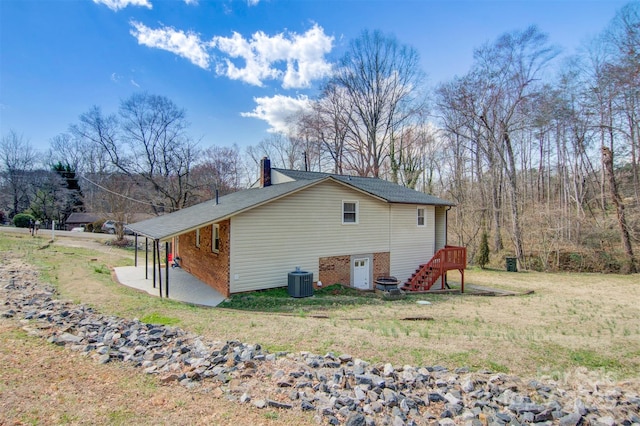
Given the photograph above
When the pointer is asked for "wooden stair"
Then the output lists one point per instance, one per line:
(445, 259)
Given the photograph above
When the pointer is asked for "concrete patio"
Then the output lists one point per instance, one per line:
(183, 287)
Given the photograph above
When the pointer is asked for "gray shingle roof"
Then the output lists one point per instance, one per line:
(185, 220)
(83, 217)
(194, 217)
(386, 190)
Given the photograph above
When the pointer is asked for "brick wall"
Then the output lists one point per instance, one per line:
(337, 269)
(381, 264)
(209, 267)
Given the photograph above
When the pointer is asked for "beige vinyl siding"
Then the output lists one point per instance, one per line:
(441, 227)
(411, 245)
(297, 230)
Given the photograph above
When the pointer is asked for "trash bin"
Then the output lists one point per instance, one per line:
(512, 264)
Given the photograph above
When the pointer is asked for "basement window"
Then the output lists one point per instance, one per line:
(420, 216)
(215, 238)
(349, 212)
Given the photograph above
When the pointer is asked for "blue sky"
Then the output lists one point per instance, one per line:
(237, 67)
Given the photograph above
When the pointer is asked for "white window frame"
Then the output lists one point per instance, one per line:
(198, 238)
(423, 217)
(215, 237)
(357, 212)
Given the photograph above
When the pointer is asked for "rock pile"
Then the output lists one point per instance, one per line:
(339, 389)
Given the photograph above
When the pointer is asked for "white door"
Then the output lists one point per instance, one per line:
(361, 274)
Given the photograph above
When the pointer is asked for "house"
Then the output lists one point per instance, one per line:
(76, 220)
(343, 229)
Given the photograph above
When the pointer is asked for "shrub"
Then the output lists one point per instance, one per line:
(97, 225)
(21, 220)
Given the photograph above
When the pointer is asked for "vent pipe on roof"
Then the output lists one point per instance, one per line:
(216, 197)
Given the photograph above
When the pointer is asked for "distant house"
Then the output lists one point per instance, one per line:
(343, 229)
(76, 220)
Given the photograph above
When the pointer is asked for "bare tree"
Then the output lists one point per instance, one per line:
(17, 159)
(147, 142)
(283, 150)
(328, 124)
(381, 80)
(508, 71)
(607, 162)
(219, 169)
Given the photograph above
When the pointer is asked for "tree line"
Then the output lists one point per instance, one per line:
(539, 154)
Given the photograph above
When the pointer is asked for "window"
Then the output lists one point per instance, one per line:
(349, 212)
(420, 216)
(215, 238)
(198, 237)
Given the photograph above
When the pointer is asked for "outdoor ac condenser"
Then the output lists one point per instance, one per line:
(300, 283)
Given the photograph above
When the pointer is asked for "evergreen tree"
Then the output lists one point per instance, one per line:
(75, 203)
(482, 257)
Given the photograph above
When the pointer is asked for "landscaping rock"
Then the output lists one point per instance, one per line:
(340, 389)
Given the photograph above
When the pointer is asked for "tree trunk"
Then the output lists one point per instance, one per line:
(607, 161)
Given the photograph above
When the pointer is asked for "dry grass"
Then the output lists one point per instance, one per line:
(46, 385)
(570, 320)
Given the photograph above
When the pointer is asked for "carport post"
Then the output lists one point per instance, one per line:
(135, 258)
(154, 265)
(159, 268)
(166, 267)
(146, 258)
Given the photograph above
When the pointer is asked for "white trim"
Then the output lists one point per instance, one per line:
(198, 238)
(418, 217)
(215, 230)
(357, 212)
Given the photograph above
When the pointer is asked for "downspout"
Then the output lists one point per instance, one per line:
(446, 237)
(446, 225)
(166, 268)
(389, 238)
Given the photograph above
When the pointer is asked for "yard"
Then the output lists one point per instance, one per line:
(577, 329)
(570, 320)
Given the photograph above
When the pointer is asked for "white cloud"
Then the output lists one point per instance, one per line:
(188, 45)
(191, 2)
(116, 5)
(278, 111)
(115, 77)
(253, 2)
(134, 83)
(300, 57)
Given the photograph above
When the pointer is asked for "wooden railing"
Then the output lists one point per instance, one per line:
(445, 259)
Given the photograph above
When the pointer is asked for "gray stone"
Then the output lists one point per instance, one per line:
(65, 338)
(259, 403)
(278, 404)
(388, 370)
(390, 397)
(360, 394)
(570, 419)
(467, 386)
(307, 406)
(607, 421)
(452, 399)
(526, 407)
(578, 407)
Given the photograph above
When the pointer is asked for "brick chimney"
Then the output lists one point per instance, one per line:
(265, 172)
